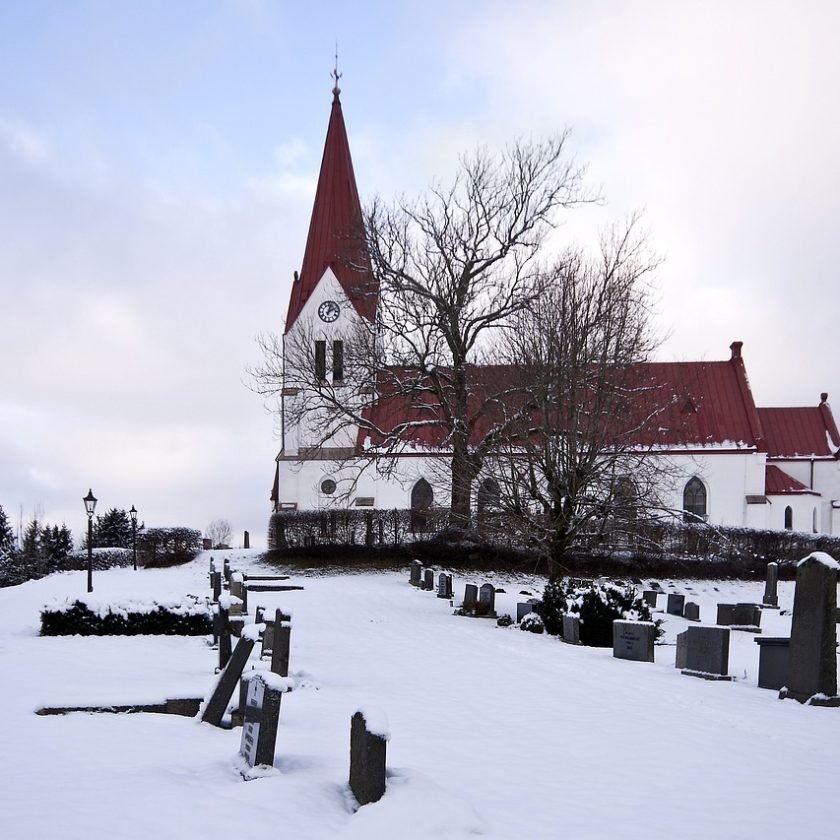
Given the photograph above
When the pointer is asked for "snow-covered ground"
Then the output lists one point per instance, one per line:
(494, 732)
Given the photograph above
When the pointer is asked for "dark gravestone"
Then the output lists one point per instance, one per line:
(772, 662)
(444, 589)
(812, 663)
(282, 644)
(262, 715)
(522, 610)
(649, 597)
(414, 572)
(227, 570)
(771, 593)
(264, 577)
(237, 585)
(267, 643)
(428, 580)
(707, 653)
(246, 540)
(224, 637)
(217, 705)
(217, 586)
(747, 617)
(676, 604)
(682, 649)
(634, 640)
(725, 614)
(487, 599)
(571, 629)
(367, 759)
(692, 611)
(470, 595)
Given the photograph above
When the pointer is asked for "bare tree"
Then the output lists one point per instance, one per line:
(579, 458)
(219, 532)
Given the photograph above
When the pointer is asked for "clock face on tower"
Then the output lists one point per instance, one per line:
(328, 311)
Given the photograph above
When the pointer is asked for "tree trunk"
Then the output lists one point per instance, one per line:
(464, 470)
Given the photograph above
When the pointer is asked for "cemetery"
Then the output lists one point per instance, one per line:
(408, 704)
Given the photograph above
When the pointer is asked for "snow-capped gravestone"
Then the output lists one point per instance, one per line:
(771, 595)
(216, 583)
(216, 706)
(415, 570)
(649, 596)
(444, 586)
(262, 715)
(633, 640)
(369, 736)
(707, 653)
(281, 644)
(571, 629)
(812, 657)
(692, 611)
(524, 609)
(237, 585)
(676, 604)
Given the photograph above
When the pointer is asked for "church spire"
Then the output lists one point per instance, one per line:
(335, 238)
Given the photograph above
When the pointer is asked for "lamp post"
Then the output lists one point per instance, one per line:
(133, 514)
(90, 507)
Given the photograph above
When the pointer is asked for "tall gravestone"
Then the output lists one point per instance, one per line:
(217, 586)
(812, 655)
(470, 595)
(444, 586)
(246, 540)
(487, 598)
(262, 716)
(415, 570)
(771, 594)
(224, 636)
(368, 740)
(281, 644)
(428, 580)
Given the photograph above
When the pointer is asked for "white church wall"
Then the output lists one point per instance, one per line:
(822, 476)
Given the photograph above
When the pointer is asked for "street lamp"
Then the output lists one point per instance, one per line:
(90, 507)
(133, 514)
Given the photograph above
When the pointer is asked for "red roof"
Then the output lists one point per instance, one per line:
(335, 237)
(778, 483)
(800, 432)
(676, 404)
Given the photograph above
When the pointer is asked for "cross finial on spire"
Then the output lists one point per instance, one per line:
(335, 74)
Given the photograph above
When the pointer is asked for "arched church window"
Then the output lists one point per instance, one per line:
(789, 518)
(422, 498)
(488, 496)
(694, 501)
(814, 521)
(626, 498)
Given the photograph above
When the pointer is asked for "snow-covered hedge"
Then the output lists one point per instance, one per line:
(189, 616)
(167, 546)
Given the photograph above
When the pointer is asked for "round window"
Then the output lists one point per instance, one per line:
(328, 487)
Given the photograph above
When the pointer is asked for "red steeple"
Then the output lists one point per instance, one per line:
(335, 237)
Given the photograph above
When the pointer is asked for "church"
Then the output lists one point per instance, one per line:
(730, 463)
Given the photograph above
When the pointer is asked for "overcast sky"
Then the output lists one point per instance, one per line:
(158, 162)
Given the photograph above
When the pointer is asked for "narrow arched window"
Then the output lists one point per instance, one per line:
(814, 521)
(488, 496)
(789, 518)
(694, 501)
(422, 499)
(625, 499)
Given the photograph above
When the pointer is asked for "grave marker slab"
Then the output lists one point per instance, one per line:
(428, 580)
(571, 629)
(682, 649)
(282, 644)
(692, 611)
(676, 604)
(707, 653)
(522, 610)
(771, 594)
(487, 597)
(725, 614)
(217, 705)
(444, 589)
(262, 715)
(367, 756)
(649, 596)
(812, 663)
(470, 594)
(634, 640)
(414, 572)
(772, 662)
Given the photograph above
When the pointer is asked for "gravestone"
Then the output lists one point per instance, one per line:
(682, 649)
(428, 580)
(470, 595)
(227, 570)
(649, 596)
(262, 715)
(772, 662)
(368, 740)
(216, 706)
(771, 594)
(217, 586)
(414, 572)
(444, 586)
(676, 604)
(633, 640)
(246, 540)
(237, 586)
(487, 598)
(692, 611)
(522, 610)
(571, 629)
(747, 617)
(725, 614)
(707, 653)
(812, 663)
(224, 637)
(281, 644)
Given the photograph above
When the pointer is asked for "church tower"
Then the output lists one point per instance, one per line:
(334, 299)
